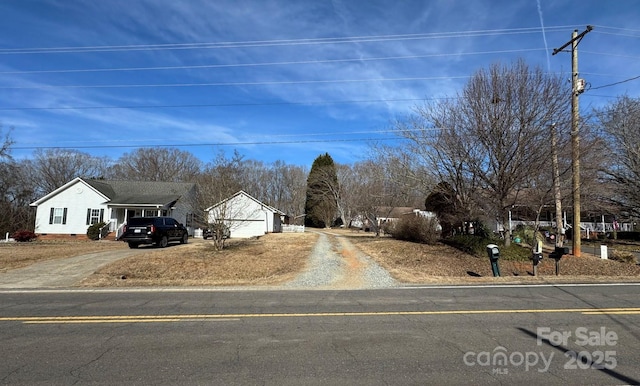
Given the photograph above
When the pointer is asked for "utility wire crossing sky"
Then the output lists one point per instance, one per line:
(278, 80)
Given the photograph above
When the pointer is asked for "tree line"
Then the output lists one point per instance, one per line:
(471, 157)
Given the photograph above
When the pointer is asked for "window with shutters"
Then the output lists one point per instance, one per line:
(94, 216)
(58, 216)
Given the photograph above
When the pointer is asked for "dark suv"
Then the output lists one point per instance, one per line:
(153, 230)
(213, 231)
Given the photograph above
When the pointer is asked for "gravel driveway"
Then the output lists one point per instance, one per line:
(336, 263)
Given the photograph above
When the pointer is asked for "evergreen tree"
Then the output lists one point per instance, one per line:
(322, 182)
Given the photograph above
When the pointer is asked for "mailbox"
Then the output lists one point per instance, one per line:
(494, 254)
(493, 251)
(536, 255)
(557, 255)
(559, 252)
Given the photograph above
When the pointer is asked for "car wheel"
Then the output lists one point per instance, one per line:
(184, 239)
(133, 245)
(163, 242)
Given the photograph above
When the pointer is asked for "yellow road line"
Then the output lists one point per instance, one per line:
(192, 317)
(82, 321)
(630, 312)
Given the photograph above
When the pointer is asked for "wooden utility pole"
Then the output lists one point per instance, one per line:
(577, 88)
(556, 187)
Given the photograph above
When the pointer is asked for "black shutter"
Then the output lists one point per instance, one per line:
(101, 215)
(88, 216)
(51, 216)
(64, 216)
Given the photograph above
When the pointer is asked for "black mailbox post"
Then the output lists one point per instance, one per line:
(557, 255)
(494, 254)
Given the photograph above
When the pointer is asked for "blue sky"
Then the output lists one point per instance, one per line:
(275, 79)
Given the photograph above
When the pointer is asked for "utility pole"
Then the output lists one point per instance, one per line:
(577, 88)
(560, 231)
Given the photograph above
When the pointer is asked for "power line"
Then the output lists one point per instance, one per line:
(228, 84)
(270, 43)
(221, 104)
(73, 144)
(601, 27)
(252, 143)
(236, 65)
(616, 83)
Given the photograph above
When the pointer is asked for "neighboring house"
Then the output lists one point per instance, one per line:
(388, 214)
(70, 209)
(245, 216)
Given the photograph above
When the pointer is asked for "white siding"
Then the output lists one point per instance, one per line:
(245, 216)
(77, 198)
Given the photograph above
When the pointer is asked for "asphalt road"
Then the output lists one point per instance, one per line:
(552, 335)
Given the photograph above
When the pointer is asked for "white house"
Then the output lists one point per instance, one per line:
(70, 209)
(245, 216)
(387, 214)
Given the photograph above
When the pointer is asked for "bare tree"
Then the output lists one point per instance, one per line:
(157, 164)
(287, 188)
(347, 199)
(620, 122)
(16, 191)
(378, 190)
(487, 142)
(5, 147)
(219, 180)
(55, 167)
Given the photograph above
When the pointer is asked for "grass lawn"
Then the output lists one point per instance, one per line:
(276, 258)
(18, 255)
(271, 259)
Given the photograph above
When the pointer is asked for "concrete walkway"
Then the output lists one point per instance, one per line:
(61, 273)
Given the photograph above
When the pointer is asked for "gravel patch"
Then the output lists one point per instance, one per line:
(335, 263)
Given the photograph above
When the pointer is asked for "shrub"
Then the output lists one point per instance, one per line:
(24, 236)
(477, 246)
(634, 236)
(525, 233)
(622, 256)
(414, 228)
(93, 232)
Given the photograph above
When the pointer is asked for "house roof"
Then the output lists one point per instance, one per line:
(242, 192)
(141, 192)
(118, 192)
(394, 212)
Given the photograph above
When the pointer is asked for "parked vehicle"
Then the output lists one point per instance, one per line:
(210, 232)
(154, 230)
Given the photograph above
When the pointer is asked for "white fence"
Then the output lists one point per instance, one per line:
(286, 228)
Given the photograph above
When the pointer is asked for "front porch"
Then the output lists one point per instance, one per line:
(119, 216)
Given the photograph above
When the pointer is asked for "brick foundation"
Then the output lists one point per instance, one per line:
(63, 237)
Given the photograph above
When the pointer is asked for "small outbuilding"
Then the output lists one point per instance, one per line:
(245, 216)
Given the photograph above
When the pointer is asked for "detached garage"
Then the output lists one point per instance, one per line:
(245, 216)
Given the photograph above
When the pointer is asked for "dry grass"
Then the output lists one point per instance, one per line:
(277, 258)
(271, 259)
(18, 255)
(420, 263)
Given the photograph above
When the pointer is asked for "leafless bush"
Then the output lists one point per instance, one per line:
(414, 228)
